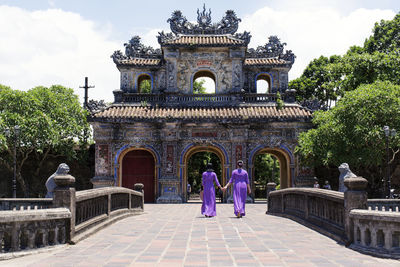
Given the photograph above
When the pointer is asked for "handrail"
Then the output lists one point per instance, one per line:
(31, 229)
(25, 203)
(321, 209)
(197, 99)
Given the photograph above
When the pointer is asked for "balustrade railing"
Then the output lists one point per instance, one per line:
(95, 206)
(25, 203)
(32, 223)
(384, 205)
(376, 232)
(321, 208)
(31, 229)
(195, 99)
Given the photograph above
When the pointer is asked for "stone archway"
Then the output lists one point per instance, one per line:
(138, 165)
(285, 162)
(193, 149)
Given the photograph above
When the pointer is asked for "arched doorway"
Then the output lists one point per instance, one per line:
(138, 166)
(284, 159)
(263, 83)
(204, 82)
(144, 84)
(266, 169)
(197, 164)
(193, 149)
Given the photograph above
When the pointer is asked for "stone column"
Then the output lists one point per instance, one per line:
(270, 187)
(354, 198)
(139, 187)
(64, 197)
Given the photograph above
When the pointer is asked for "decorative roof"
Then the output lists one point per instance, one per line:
(203, 40)
(264, 61)
(181, 26)
(273, 49)
(134, 49)
(140, 61)
(133, 113)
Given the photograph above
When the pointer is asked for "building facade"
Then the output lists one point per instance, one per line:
(149, 133)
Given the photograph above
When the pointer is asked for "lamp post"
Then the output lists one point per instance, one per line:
(388, 133)
(15, 134)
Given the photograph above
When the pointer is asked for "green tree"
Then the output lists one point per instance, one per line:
(266, 169)
(198, 164)
(327, 79)
(198, 87)
(52, 123)
(145, 87)
(352, 131)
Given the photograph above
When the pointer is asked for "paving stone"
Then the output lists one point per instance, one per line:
(176, 235)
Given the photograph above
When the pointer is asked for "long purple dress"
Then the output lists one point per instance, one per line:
(209, 206)
(239, 180)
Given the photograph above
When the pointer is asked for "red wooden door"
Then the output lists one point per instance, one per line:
(138, 167)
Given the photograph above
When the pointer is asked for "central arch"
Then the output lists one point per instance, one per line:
(193, 149)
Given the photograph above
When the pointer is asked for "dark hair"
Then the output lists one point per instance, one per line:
(240, 163)
(209, 165)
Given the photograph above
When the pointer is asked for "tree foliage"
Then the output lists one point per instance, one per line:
(352, 130)
(266, 169)
(198, 164)
(198, 86)
(327, 79)
(145, 87)
(52, 123)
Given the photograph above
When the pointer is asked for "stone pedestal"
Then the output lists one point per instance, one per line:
(354, 198)
(270, 187)
(169, 192)
(64, 196)
(102, 181)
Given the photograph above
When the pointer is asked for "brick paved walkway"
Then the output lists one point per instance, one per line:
(177, 235)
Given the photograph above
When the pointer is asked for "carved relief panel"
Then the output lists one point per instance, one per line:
(126, 81)
(103, 155)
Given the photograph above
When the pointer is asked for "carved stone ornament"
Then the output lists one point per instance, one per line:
(96, 106)
(135, 49)
(273, 49)
(229, 24)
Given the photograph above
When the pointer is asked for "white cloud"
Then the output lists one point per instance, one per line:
(312, 31)
(56, 47)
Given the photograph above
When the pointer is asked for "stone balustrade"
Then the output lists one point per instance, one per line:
(169, 99)
(321, 209)
(384, 205)
(29, 229)
(73, 216)
(98, 206)
(25, 203)
(376, 232)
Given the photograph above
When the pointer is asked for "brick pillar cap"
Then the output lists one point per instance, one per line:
(64, 180)
(138, 187)
(356, 183)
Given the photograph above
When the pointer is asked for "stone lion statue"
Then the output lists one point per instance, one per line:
(50, 184)
(345, 173)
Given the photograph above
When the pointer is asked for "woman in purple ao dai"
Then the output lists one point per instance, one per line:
(208, 208)
(240, 181)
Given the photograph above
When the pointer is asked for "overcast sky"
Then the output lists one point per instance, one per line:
(45, 42)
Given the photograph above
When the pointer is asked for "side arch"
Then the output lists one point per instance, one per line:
(126, 149)
(286, 162)
(141, 75)
(264, 76)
